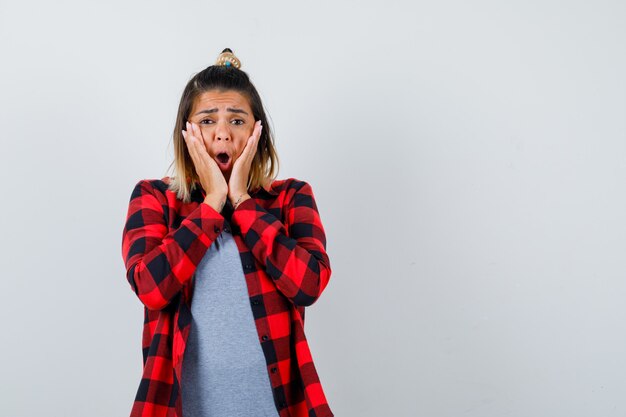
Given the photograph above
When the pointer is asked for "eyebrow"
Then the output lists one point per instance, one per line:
(230, 109)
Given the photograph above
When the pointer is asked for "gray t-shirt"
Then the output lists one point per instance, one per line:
(224, 371)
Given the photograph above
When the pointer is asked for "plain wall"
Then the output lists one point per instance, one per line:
(468, 160)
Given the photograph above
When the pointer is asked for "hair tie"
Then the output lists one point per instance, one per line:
(227, 59)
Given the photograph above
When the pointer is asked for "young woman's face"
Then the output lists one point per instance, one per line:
(226, 122)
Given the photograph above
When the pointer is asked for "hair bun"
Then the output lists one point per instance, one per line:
(227, 59)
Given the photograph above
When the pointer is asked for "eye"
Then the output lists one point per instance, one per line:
(209, 121)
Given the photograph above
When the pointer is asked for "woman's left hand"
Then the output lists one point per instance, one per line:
(238, 182)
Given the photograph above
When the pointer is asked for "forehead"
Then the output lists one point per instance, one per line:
(220, 100)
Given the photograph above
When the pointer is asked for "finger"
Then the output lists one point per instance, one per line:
(192, 151)
(188, 133)
(256, 137)
(192, 146)
(191, 131)
(189, 139)
(198, 142)
(197, 132)
(248, 151)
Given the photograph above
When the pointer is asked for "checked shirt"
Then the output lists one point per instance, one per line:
(282, 245)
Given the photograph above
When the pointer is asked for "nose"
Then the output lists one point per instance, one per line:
(222, 131)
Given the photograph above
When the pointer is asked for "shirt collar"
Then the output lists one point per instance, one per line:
(199, 191)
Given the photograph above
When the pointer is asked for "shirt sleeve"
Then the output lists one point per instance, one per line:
(160, 262)
(296, 258)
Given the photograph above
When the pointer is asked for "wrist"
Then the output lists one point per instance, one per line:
(239, 198)
(215, 201)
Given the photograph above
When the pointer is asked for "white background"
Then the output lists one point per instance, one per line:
(468, 161)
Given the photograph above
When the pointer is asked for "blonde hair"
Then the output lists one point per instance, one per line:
(184, 179)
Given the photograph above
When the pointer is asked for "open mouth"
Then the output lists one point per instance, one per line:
(223, 159)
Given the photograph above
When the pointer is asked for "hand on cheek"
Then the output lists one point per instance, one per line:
(238, 182)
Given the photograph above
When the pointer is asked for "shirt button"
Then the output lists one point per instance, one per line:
(282, 404)
(274, 370)
(216, 229)
(255, 301)
(264, 337)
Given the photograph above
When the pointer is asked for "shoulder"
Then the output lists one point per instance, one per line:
(286, 185)
(294, 194)
(284, 191)
(152, 185)
(151, 189)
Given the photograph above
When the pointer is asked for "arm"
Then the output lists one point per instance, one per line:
(298, 263)
(158, 263)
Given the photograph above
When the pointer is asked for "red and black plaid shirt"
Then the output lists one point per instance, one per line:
(282, 246)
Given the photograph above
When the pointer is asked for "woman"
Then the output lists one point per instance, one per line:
(225, 258)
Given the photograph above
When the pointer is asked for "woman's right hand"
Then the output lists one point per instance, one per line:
(210, 175)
